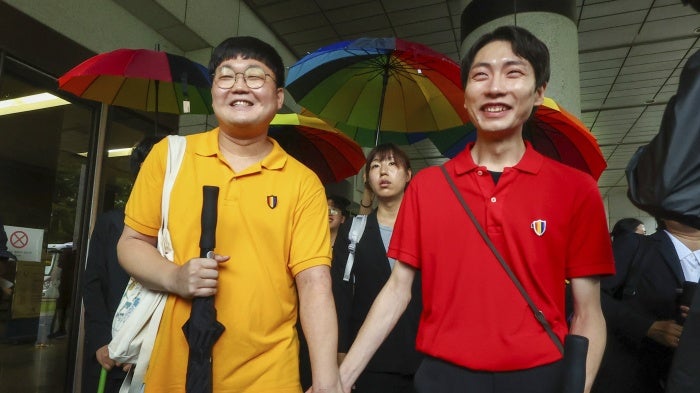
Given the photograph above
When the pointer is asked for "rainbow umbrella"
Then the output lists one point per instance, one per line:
(326, 151)
(380, 85)
(142, 79)
(553, 132)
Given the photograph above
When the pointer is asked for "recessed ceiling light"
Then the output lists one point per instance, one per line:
(30, 103)
(111, 153)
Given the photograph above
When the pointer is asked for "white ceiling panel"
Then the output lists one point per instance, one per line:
(355, 13)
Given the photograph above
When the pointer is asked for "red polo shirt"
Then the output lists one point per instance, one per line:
(548, 222)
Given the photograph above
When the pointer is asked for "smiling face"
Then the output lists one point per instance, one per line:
(500, 92)
(243, 112)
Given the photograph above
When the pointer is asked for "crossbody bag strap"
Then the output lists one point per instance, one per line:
(538, 314)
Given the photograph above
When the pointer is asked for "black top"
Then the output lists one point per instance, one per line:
(371, 270)
(104, 284)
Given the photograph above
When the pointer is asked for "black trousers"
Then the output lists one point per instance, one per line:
(375, 382)
(437, 376)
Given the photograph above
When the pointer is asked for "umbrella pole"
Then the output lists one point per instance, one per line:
(385, 81)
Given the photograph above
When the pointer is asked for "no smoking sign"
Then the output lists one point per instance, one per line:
(26, 243)
(19, 239)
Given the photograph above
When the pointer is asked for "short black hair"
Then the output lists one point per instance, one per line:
(384, 150)
(340, 203)
(522, 42)
(248, 48)
(625, 225)
(141, 150)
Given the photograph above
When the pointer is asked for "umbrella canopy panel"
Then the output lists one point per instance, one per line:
(367, 137)
(142, 79)
(327, 152)
(413, 87)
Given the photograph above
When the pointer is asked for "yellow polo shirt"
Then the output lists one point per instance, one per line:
(273, 223)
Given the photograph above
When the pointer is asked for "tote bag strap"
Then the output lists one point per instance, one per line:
(176, 152)
(537, 312)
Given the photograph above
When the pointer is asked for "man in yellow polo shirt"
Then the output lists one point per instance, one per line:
(272, 240)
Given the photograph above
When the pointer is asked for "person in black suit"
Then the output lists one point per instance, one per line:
(684, 376)
(391, 369)
(103, 287)
(641, 311)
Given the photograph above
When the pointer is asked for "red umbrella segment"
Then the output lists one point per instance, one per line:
(326, 151)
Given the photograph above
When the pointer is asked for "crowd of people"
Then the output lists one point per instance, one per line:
(430, 290)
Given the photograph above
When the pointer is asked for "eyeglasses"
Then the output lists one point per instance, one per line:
(254, 78)
(333, 211)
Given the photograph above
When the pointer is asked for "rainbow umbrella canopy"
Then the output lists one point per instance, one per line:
(142, 79)
(379, 86)
(329, 153)
(553, 132)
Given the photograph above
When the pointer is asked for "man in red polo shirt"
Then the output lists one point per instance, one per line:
(546, 219)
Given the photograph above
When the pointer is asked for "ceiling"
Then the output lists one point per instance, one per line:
(630, 56)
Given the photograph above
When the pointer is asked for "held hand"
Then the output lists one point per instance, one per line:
(684, 311)
(667, 333)
(102, 355)
(125, 366)
(199, 277)
(335, 389)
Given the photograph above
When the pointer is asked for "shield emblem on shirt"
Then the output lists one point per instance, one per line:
(539, 226)
(272, 201)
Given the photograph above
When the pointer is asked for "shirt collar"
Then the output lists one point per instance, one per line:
(531, 162)
(209, 147)
(681, 249)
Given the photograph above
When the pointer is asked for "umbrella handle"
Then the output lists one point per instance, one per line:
(207, 240)
(103, 381)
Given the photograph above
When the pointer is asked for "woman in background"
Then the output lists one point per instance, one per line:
(387, 173)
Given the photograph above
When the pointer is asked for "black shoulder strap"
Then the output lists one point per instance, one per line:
(538, 314)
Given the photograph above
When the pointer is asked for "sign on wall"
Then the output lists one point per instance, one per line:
(25, 243)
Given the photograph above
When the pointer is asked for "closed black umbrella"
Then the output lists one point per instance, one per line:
(664, 176)
(202, 329)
